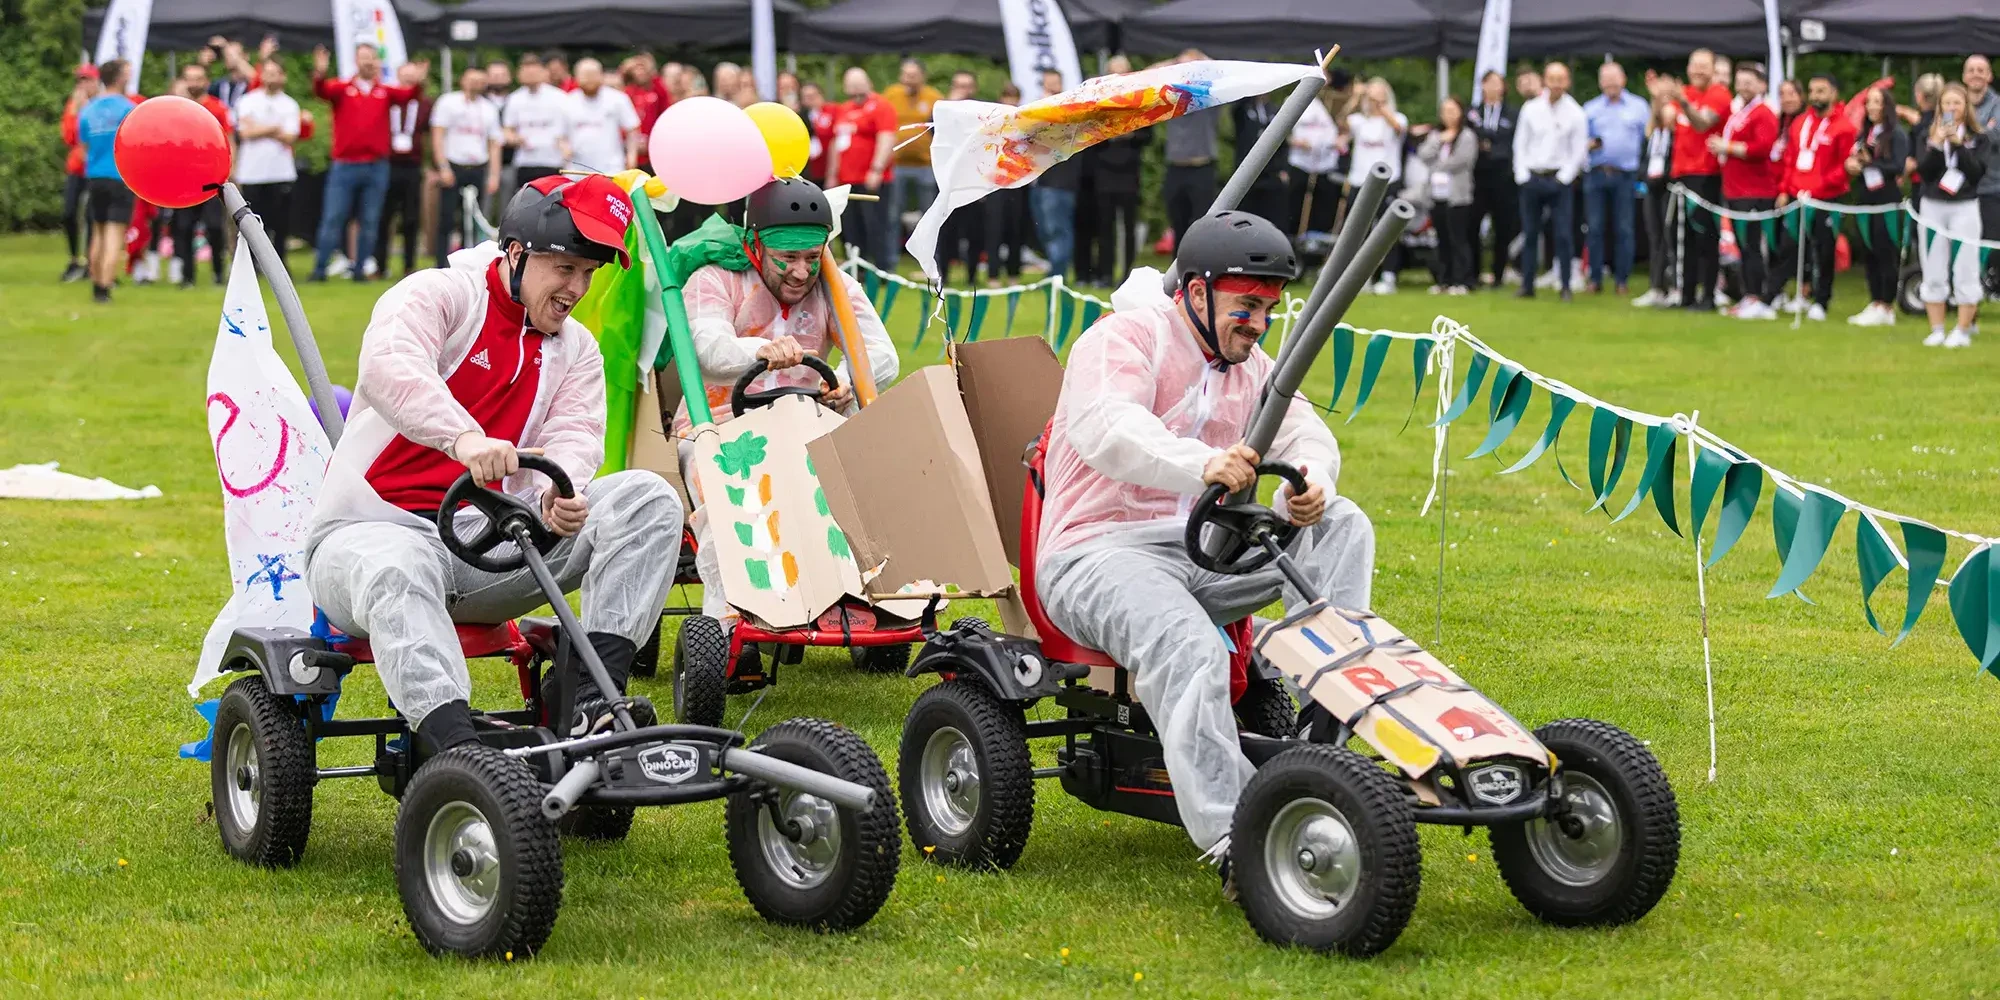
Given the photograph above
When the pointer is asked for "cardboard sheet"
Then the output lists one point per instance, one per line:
(1010, 388)
(784, 560)
(1414, 730)
(652, 449)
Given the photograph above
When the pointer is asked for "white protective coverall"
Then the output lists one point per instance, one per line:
(381, 572)
(1140, 414)
(730, 315)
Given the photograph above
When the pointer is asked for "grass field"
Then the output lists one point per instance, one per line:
(1848, 847)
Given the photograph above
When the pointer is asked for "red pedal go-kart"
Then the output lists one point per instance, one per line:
(1583, 824)
(712, 662)
(810, 821)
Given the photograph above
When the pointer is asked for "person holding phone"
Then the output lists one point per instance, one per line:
(1874, 172)
(1952, 160)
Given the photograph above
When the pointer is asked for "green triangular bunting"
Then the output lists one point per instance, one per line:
(1974, 593)
(1559, 409)
(1924, 547)
(1343, 359)
(1371, 366)
(1513, 402)
(980, 303)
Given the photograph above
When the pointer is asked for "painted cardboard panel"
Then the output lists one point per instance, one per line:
(1010, 387)
(1414, 730)
(784, 560)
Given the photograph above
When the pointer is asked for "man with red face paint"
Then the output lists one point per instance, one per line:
(1154, 405)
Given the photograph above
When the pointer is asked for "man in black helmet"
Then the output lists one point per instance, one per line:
(1154, 405)
(761, 299)
(460, 367)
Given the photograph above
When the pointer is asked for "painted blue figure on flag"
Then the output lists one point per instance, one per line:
(273, 571)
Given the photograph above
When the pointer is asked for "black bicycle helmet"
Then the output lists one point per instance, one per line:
(585, 218)
(1230, 243)
(787, 201)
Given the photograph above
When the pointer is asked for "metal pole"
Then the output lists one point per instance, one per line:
(1444, 78)
(1366, 203)
(270, 263)
(1268, 141)
(444, 69)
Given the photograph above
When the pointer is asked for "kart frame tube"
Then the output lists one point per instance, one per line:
(680, 342)
(270, 263)
(1366, 204)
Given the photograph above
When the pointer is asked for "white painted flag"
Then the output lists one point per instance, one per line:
(271, 455)
(368, 21)
(124, 36)
(1038, 40)
(1494, 28)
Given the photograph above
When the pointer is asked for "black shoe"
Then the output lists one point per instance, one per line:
(448, 725)
(617, 653)
(317, 277)
(74, 272)
(1700, 305)
(1566, 295)
(1524, 293)
(100, 293)
(188, 285)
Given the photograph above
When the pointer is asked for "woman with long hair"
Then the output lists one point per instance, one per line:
(1875, 172)
(1376, 129)
(1665, 293)
(1951, 160)
(1450, 150)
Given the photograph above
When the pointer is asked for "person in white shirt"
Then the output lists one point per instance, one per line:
(1315, 162)
(537, 124)
(465, 150)
(1376, 129)
(603, 124)
(1551, 146)
(267, 124)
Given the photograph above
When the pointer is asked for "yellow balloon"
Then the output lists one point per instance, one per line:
(785, 133)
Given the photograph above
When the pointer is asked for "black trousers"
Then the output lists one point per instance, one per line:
(1545, 195)
(1088, 261)
(208, 214)
(1495, 196)
(1268, 199)
(451, 206)
(863, 226)
(962, 238)
(1659, 235)
(404, 203)
(1458, 244)
(72, 215)
(1989, 229)
(1881, 258)
(1324, 194)
(1117, 236)
(1008, 223)
(273, 205)
(1816, 242)
(1750, 242)
(1702, 241)
(1187, 192)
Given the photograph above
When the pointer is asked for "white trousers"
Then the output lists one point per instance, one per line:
(1951, 270)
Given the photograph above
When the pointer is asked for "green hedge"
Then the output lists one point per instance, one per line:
(39, 40)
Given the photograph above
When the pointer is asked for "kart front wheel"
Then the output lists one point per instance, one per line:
(480, 870)
(1324, 852)
(261, 774)
(701, 672)
(833, 869)
(967, 782)
(880, 659)
(1266, 709)
(1610, 854)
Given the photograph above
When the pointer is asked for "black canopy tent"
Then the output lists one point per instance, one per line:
(1901, 27)
(184, 25)
(965, 26)
(1623, 27)
(1364, 29)
(611, 24)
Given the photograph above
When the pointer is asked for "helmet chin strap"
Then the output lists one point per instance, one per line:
(514, 274)
(1207, 332)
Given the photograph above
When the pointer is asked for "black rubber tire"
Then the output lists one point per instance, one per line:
(1909, 298)
(880, 659)
(646, 662)
(1650, 834)
(529, 854)
(1378, 812)
(1266, 709)
(871, 847)
(286, 772)
(1006, 812)
(701, 672)
(607, 822)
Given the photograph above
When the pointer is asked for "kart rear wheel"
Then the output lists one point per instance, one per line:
(479, 869)
(880, 659)
(838, 873)
(646, 662)
(1266, 709)
(968, 785)
(1324, 852)
(1612, 857)
(701, 671)
(261, 773)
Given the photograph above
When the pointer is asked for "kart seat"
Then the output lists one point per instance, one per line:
(474, 641)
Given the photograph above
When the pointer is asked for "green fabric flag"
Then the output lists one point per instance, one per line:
(1924, 547)
(1975, 606)
(1663, 484)
(1502, 381)
(871, 285)
(1709, 467)
(1740, 490)
(1559, 409)
(923, 321)
(1660, 442)
(1610, 438)
(1371, 366)
(1804, 526)
(1420, 352)
(1343, 359)
(1895, 222)
(979, 307)
(1066, 309)
(1475, 375)
(1013, 304)
(954, 310)
(621, 307)
(1513, 402)
(1091, 312)
(1864, 223)
(1694, 214)
(889, 290)
(1770, 227)
(1877, 556)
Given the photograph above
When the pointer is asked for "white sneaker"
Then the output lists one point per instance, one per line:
(1793, 306)
(1650, 300)
(1817, 313)
(173, 270)
(368, 268)
(1386, 286)
(1458, 290)
(1753, 309)
(1672, 300)
(1722, 299)
(1877, 314)
(147, 269)
(1936, 338)
(1958, 338)
(339, 266)
(1437, 289)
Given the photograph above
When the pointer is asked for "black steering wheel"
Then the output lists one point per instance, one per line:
(741, 401)
(505, 514)
(1240, 529)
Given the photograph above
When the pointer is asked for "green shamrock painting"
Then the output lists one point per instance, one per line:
(738, 457)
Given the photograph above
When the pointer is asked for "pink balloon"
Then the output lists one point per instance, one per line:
(706, 150)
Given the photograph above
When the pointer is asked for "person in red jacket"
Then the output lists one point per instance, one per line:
(193, 85)
(1749, 184)
(1704, 109)
(650, 96)
(1815, 166)
(358, 179)
(86, 90)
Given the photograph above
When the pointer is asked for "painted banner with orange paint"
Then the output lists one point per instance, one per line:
(978, 148)
(1412, 708)
(783, 559)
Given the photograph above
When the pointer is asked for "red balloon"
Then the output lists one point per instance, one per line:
(171, 152)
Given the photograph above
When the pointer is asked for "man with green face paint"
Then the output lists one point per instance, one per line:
(769, 305)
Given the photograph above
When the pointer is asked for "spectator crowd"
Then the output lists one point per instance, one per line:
(1527, 190)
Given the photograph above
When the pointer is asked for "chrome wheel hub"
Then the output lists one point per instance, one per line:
(461, 863)
(950, 774)
(809, 860)
(245, 794)
(1313, 858)
(1581, 846)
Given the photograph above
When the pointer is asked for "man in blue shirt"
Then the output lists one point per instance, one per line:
(1617, 136)
(110, 200)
